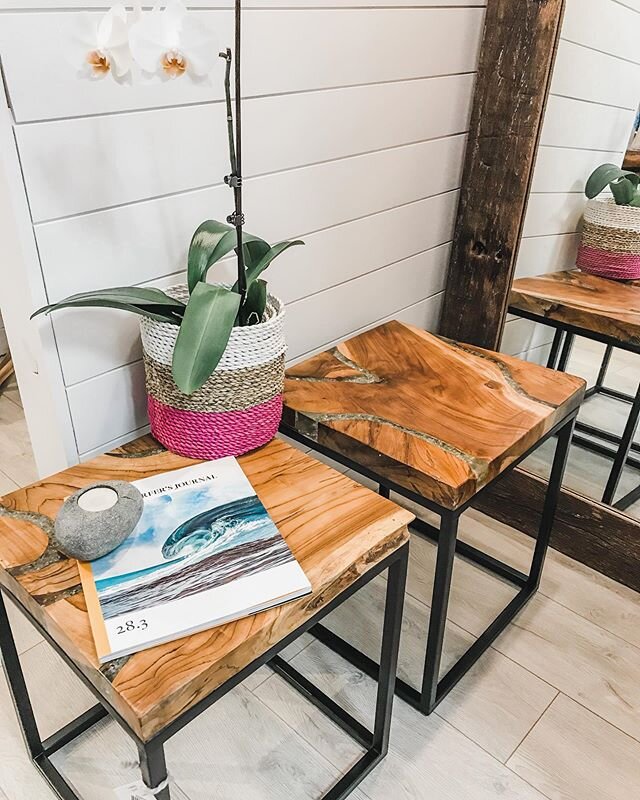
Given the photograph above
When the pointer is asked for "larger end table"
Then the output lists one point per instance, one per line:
(343, 536)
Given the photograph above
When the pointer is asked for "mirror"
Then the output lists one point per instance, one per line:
(608, 421)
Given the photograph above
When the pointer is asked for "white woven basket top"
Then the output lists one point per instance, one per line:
(248, 346)
(605, 212)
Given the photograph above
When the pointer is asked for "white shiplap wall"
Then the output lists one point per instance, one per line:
(355, 119)
(595, 93)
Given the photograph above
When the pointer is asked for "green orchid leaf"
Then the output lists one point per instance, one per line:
(204, 241)
(600, 178)
(157, 313)
(229, 242)
(148, 302)
(204, 334)
(256, 269)
(623, 191)
(605, 175)
(255, 303)
(254, 250)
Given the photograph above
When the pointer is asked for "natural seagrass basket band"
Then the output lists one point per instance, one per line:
(607, 237)
(610, 241)
(231, 390)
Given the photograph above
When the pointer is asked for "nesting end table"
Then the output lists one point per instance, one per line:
(343, 536)
(437, 422)
(575, 303)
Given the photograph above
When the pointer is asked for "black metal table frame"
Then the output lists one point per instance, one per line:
(622, 456)
(435, 688)
(152, 760)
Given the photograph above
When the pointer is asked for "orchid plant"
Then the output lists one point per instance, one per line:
(172, 44)
(624, 185)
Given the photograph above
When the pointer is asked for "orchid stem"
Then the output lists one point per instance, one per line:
(235, 153)
(227, 91)
(237, 189)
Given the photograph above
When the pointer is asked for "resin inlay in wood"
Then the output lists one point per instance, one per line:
(336, 528)
(441, 418)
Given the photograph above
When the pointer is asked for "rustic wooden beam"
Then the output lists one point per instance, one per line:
(516, 63)
(594, 534)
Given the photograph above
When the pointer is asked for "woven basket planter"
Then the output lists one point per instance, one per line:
(610, 245)
(238, 408)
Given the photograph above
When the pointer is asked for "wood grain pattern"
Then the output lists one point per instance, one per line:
(436, 417)
(585, 301)
(336, 528)
(516, 63)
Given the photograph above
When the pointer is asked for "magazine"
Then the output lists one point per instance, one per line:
(205, 552)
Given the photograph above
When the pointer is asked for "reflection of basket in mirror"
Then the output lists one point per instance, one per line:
(610, 245)
(240, 405)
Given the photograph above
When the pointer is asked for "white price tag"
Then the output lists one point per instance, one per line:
(133, 791)
(138, 791)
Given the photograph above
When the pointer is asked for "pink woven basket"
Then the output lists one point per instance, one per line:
(238, 408)
(610, 245)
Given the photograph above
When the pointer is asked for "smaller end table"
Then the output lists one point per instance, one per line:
(343, 536)
(578, 304)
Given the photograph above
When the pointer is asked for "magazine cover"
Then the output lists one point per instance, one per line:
(205, 552)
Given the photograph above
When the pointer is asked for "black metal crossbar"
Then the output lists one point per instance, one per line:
(152, 760)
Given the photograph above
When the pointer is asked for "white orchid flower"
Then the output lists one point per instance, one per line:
(104, 45)
(173, 42)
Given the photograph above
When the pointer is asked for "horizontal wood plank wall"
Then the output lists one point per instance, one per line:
(594, 97)
(357, 147)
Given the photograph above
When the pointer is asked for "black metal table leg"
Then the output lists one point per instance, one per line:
(566, 351)
(392, 627)
(623, 451)
(154, 769)
(24, 711)
(604, 366)
(439, 605)
(17, 686)
(558, 336)
(552, 496)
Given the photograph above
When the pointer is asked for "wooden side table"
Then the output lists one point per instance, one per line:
(578, 304)
(437, 422)
(342, 534)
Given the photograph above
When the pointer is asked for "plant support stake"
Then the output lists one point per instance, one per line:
(234, 180)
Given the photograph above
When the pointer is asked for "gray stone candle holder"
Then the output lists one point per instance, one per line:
(87, 535)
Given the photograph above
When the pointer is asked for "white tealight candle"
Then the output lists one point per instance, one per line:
(101, 498)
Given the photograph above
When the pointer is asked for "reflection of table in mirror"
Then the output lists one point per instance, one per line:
(632, 160)
(578, 304)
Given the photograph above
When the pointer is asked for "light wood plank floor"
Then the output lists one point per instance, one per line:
(552, 712)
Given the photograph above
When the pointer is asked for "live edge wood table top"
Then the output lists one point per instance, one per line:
(436, 417)
(584, 301)
(336, 528)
